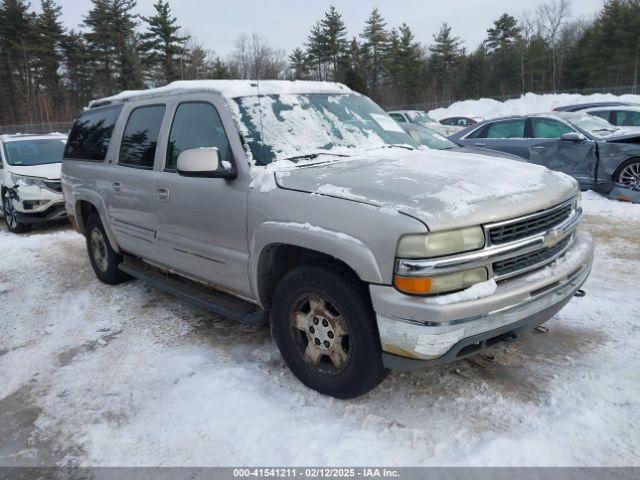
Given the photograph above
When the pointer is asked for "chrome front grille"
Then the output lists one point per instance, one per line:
(510, 231)
(523, 263)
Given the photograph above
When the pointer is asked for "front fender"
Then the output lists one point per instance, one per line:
(345, 248)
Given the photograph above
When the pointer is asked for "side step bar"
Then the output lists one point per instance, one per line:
(209, 299)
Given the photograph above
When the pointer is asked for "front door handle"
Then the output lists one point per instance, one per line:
(116, 187)
(162, 194)
(480, 144)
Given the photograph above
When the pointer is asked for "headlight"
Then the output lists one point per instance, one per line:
(449, 282)
(22, 180)
(437, 244)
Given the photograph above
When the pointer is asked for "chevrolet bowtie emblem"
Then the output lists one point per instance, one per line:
(553, 237)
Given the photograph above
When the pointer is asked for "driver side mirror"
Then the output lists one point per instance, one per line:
(572, 137)
(202, 162)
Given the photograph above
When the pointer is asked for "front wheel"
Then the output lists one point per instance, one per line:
(628, 173)
(325, 329)
(10, 216)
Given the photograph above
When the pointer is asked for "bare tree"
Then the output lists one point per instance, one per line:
(253, 58)
(527, 31)
(551, 18)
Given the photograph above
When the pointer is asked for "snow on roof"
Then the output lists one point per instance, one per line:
(229, 89)
(16, 137)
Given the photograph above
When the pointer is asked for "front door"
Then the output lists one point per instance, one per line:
(576, 158)
(202, 221)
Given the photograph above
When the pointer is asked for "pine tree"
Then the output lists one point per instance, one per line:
(445, 55)
(353, 68)
(111, 40)
(334, 33)
(404, 64)
(504, 61)
(504, 32)
(161, 45)
(317, 50)
(375, 47)
(50, 33)
(77, 69)
(298, 63)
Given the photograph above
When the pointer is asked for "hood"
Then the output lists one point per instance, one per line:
(620, 134)
(50, 171)
(442, 189)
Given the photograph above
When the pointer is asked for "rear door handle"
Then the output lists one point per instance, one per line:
(116, 186)
(538, 147)
(162, 194)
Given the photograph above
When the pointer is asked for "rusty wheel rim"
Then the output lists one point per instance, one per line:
(320, 333)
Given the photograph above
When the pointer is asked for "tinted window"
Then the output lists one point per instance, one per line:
(626, 118)
(91, 134)
(34, 152)
(548, 128)
(138, 147)
(196, 125)
(506, 129)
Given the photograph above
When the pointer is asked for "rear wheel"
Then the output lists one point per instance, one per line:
(628, 173)
(103, 257)
(10, 216)
(325, 329)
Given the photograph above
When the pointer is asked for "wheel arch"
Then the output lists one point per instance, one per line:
(85, 204)
(277, 248)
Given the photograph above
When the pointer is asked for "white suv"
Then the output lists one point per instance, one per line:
(30, 179)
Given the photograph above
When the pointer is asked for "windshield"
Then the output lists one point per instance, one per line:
(591, 123)
(34, 152)
(430, 138)
(278, 127)
(420, 117)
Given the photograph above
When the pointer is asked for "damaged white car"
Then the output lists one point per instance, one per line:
(30, 179)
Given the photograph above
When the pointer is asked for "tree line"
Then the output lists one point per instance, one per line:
(48, 72)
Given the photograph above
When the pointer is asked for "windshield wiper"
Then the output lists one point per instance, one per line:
(311, 156)
(397, 145)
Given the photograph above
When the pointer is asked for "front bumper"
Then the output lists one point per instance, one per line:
(427, 333)
(34, 204)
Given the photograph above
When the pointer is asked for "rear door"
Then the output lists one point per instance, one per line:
(131, 189)
(201, 222)
(576, 158)
(503, 135)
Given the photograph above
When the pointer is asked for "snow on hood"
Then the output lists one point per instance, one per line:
(443, 189)
(50, 171)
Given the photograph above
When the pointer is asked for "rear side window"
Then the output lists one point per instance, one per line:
(91, 134)
(138, 146)
(196, 125)
(548, 128)
(627, 118)
(508, 129)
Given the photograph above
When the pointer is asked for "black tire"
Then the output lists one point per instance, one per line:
(103, 257)
(345, 299)
(9, 216)
(634, 163)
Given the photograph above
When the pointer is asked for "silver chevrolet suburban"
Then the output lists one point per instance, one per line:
(304, 205)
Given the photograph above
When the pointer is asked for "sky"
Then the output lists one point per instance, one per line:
(215, 24)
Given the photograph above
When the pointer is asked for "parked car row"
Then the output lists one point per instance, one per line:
(596, 143)
(305, 206)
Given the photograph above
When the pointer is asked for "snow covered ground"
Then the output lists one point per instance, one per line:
(126, 375)
(526, 104)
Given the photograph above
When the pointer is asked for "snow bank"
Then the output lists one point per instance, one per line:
(526, 104)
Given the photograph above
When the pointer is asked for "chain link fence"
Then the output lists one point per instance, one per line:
(36, 128)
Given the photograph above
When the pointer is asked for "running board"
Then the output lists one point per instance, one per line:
(209, 299)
